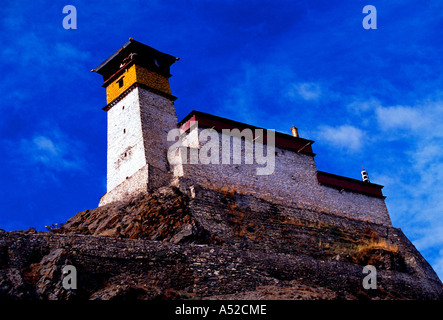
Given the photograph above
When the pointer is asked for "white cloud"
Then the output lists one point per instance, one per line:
(29, 52)
(421, 119)
(308, 91)
(54, 151)
(359, 106)
(42, 148)
(399, 117)
(345, 136)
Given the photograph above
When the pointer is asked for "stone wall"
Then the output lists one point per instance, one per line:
(293, 183)
(158, 118)
(135, 183)
(264, 219)
(109, 268)
(126, 151)
(138, 126)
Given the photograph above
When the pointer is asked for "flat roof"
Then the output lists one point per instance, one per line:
(349, 184)
(147, 56)
(282, 140)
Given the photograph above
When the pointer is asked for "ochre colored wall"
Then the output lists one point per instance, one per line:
(113, 90)
(152, 79)
(137, 74)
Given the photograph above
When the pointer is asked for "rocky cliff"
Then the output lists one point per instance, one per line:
(212, 244)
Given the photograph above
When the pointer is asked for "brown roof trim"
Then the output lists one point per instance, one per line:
(132, 87)
(282, 140)
(349, 184)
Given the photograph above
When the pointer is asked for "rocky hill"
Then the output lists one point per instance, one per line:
(212, 244)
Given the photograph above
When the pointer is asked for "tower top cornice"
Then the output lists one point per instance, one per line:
(134, 52)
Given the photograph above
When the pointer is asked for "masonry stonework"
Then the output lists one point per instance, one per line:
(136, 183)
(158, 118)
(137, 130)
(126, 151)
(293, 182)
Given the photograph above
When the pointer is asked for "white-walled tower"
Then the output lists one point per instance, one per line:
(140, 112)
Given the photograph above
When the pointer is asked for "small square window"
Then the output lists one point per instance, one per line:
(120, 82)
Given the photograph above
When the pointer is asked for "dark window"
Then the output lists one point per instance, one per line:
(124, 130)
(120, 82)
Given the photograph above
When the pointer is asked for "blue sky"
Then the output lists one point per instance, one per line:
(368, 98)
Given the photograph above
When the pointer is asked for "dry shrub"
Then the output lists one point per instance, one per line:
(377, 244)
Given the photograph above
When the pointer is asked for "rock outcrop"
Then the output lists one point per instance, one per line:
(206, 244)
